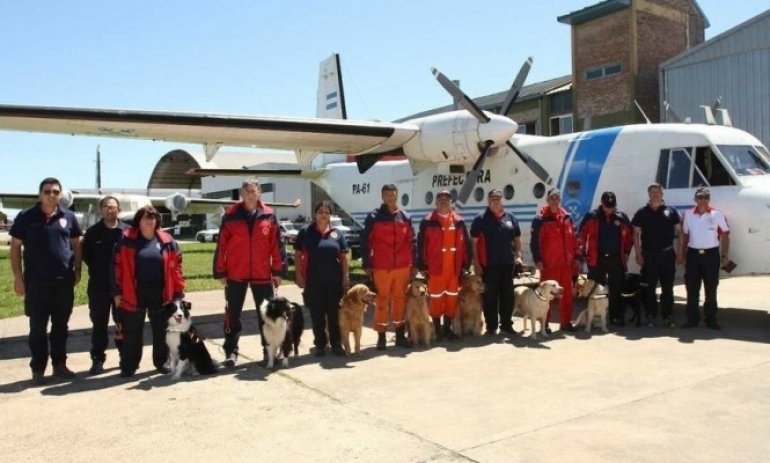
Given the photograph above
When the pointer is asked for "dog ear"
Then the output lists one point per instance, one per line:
(409, 289)
(186, 305)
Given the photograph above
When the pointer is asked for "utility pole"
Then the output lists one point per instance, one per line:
(98, 170)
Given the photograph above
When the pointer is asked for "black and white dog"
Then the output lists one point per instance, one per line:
(282, 330)
(185, 345)
(633, 293)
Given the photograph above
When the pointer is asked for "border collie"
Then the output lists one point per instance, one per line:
(282, 330)
(185, 344)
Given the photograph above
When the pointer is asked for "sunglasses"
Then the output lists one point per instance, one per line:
(51, 192)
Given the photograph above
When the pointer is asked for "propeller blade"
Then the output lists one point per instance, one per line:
(366, 161)
(458, 94)
(533, 165)
(518, 83)
(470, 180)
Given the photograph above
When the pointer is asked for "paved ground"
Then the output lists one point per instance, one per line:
(637, 394)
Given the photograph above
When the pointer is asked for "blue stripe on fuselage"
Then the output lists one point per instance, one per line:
(579, 184)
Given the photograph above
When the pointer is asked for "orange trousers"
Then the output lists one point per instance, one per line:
(443, 294)
(391, 294)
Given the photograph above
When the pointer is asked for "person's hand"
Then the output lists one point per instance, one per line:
(300, 282)
(477, 270)
(679, 260)
(725, 261)
(118, 300)
(277, 281)
(639, 259)
(77, 275)
(18, 285)
(345, 283)
(539, 265)
(223, 281)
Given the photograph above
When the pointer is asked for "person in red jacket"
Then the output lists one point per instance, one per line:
(148, 274)
(607, 238)
(443, 252)
(555, 250)
(250, 254)
(386, 253)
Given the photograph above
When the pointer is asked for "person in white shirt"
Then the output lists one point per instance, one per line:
(703, 250)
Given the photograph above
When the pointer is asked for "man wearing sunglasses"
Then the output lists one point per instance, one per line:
(705, 233)
(50, 236)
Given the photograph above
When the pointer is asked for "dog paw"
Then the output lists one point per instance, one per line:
(285, 363)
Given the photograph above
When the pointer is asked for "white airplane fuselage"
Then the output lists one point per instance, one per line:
(622, 159)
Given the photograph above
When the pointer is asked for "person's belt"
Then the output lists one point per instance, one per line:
(704, 250)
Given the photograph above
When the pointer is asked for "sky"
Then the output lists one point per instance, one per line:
(260, 58)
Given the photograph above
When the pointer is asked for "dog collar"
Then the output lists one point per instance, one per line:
(540, 296)
(169, 330)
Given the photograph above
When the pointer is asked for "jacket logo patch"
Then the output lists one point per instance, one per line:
(265, 230)
(617, 223)
(508, 223)
(333, 235)
(63, 222)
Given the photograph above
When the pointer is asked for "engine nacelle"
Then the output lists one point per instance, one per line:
(455, 136)
(65, 198)
(177, 202)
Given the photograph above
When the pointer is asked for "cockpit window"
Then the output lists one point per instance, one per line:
(709, 170)
(745, 159)
(674, 168)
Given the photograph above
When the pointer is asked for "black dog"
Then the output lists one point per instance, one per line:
(632, 294)
(282, 330)
(185, 344)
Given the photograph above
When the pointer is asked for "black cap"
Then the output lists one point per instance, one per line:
(609, 199)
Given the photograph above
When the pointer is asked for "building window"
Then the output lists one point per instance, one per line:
(561, 124)
(405, 200)
(528, 128)
(561, 102)
(478, 194)
(538, 191)
(508, 192)
(429, 198)
(603, 71)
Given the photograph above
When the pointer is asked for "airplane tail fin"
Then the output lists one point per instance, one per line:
(330, 104)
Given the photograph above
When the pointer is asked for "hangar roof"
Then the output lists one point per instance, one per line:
(169, 171)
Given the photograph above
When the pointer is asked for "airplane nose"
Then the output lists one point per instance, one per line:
(499, 129)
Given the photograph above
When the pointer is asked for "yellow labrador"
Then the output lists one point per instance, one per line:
(417, 313)
(598, 303)
(533, 304)
(468, 320)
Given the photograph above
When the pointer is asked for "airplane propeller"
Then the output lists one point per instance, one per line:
(471, 107)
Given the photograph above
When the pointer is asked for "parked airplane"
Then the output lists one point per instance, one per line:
(440, 150)
(86, 205)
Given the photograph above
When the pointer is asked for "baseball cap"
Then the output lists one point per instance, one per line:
(443, 193)
(554, 192)
(609, 199)
(495, 192)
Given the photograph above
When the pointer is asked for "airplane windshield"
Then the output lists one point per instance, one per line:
(745, 159)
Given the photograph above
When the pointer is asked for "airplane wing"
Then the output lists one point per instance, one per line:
(207, 206)
(80, 201)
(213, 130)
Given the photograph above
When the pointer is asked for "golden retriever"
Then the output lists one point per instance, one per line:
(352, 308)
(534, 303)
(417, 313)
(468, 320)
(598, 302)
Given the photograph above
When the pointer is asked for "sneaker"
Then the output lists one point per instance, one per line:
(38, 378)
(380, 341)
(338, 351)
(713, 325)
(548, 329)
(61, 371)
(164, 370)
(230, 360)
(320, 351)
(507, 330)
(650, 322)
(490, 333)
(669, 322)
(688, 325)
(127, 373)
(567, 327)
(97, 367)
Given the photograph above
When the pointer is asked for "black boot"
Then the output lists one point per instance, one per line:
(401, 340)
(380, 341)
(437, 328)
(449, 331)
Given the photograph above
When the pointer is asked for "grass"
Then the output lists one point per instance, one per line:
(197, 264)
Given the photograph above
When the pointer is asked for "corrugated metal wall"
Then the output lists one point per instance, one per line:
(735, 66)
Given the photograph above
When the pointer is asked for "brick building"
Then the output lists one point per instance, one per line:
(617, 46)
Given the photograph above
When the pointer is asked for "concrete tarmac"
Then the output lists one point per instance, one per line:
(636, 394)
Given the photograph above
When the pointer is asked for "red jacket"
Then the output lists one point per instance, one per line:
(589, 234)
(386, 242)
(554, 240)
(125, 269)
(430, 240)
(252, 252)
